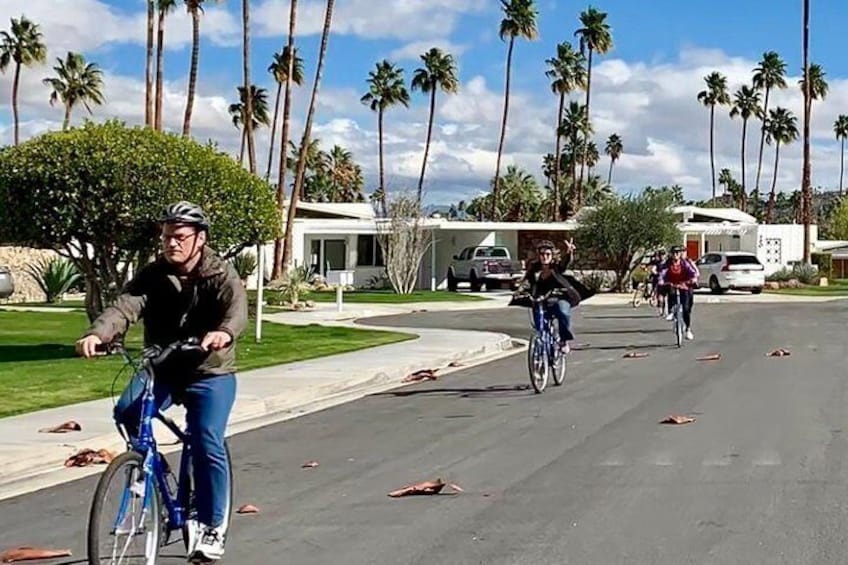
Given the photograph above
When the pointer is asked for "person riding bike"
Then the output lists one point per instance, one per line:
(654, 267)
(680, 273)
(189, 291)
(546, 275)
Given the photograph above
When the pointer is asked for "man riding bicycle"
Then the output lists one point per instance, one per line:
(680, 273)
(654, 267)
(546, 275)
(189, 291)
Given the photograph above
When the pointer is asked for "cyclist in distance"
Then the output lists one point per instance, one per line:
(545, 275)
(189, 291)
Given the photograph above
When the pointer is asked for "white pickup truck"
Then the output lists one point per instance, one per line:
(485, 265)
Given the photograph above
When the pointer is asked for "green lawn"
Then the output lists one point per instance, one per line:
(39, 369)
(835, 289)
(389, 297)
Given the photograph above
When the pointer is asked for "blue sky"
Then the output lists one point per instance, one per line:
(645, 88)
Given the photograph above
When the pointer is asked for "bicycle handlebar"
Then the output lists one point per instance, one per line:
(543, 297)
(154, 354)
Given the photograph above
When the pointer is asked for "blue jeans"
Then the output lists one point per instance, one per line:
(561, 310)
(208, 403)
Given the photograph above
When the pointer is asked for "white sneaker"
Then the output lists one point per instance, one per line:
(689, 335)
(210, 544)
(669, 317)
(193, 531)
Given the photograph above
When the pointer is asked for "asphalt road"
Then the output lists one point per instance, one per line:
(582, 474)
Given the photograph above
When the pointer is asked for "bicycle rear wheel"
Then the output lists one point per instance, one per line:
(637, 297)
(537, 364)
(124, 524)
(191, 507)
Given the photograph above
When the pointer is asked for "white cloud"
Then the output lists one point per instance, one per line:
(414, 50)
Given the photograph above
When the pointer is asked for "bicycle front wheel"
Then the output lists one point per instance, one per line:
(537, 364)
(124, 524)
(559, 367)
(637, 298)
(678, 326)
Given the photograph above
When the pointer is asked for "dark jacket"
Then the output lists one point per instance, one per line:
(211, 298)
(574, 289)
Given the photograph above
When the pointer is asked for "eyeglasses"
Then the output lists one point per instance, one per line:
(546, 253)
(180, 239)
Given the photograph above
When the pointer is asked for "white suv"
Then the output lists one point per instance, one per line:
(731, 270)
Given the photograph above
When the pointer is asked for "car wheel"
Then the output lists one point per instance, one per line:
(476, 284)
(757, 290)
(714, 286)
(452, 282)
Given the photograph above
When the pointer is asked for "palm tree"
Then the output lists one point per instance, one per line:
(597, 191)
(164, 7)
(613, 148)
(715, 95)
(279, 251)
(840, 128)
(814, 89)
(726, 180)
(193, 7)
(438, 72)
(568, 73)
(238, 111)
(769, 74)
(24, 46)
(248, 100)
(77, 82)
(782, 128)
(575, 127)
(595, 37)
(519, 21)
(385, 89)
(591, 156)
(746, 103)
(148, 64)
(279, 69)
(307, 132)
(345, 176)
(521, 195)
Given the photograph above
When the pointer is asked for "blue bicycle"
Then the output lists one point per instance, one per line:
(544, 355)
(149, 502)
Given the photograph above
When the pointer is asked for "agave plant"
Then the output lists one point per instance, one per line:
(295, 284)
(244, 264)
(54, 276)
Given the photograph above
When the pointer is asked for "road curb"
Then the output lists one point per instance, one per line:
(46, 467)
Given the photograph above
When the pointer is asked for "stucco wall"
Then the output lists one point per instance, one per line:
(16, 258)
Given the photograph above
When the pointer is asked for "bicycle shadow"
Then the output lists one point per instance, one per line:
(492, 391)
(634, 331)
(37, 352)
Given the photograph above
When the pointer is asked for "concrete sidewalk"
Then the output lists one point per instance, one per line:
(30, 460)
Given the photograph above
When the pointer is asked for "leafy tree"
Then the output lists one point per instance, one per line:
(23, 46)
(621, 229)
(100, 212)
(836, 224)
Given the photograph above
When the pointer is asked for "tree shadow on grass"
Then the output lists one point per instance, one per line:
(36, 352)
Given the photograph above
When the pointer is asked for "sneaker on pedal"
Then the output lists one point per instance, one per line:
(669, 317)
(689, 335)
(209, 546)
(564, 348)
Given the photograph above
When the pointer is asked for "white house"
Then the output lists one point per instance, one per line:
(343, 237)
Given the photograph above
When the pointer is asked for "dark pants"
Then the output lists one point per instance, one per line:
(208, 403)
(561, 310)
(687, 300)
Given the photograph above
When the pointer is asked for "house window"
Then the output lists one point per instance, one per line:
(368, 252)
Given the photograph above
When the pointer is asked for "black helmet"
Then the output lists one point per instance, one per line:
(678, 249)
(545, 244)
(185, 213)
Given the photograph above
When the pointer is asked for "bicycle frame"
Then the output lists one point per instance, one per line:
(542, 325)
(154, 467)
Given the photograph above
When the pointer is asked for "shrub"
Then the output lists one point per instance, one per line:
(294, 285)
(595, 281)
(824, 261)
(782, 275)
(244, 264)
(54, 277)
(807, 274)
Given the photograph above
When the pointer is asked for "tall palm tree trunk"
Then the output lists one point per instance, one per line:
(427, 142)
(192, 74)
(382, 171)
(772, 197)
(273, 131)
(712, 148)
(307, 131)
(67, 121)
(248, 103)
(148, 66)
(241, 148)
(762, 143)
(585, 145)
(284, 141)
(495, 186)
(15, 84)
(805, 179)
(609, 177)
(557, 150)
(841, 167)
(160, 55)
(743, 196)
